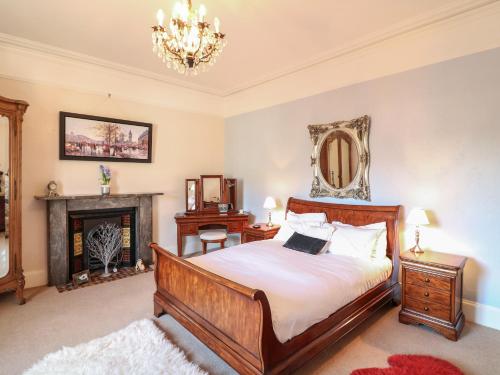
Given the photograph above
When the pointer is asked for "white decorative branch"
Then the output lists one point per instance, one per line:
(104, 243)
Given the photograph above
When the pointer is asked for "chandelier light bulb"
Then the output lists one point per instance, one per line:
(184, 12)
(217, 24)
(177, 10)
(202, 12)
(160, 16)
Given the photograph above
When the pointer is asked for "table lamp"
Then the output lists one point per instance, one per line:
(269, 204)
(417, 217)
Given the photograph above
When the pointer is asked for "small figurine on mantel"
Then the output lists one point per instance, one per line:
(52, 189)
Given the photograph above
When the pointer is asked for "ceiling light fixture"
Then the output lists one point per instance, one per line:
(187, 43)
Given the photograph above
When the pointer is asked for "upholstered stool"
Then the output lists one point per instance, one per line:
(212, 237)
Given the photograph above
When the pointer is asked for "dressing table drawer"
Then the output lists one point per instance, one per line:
(189, 229)
(235, 227)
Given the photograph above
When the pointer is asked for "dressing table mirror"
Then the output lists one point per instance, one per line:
(340, 159)
(11, 273)
(211, 192)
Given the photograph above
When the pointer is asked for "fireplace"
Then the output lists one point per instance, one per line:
(81, 224)
(69, 218)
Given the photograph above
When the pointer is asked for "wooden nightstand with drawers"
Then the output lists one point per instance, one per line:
(432, 291)
(251, 234)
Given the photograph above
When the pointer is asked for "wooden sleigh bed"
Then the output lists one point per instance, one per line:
(235, 321)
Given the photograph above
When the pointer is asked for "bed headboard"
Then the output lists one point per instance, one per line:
(357, 215)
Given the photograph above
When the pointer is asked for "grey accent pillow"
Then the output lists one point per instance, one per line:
(305, 244)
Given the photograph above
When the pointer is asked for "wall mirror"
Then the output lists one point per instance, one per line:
(211, 191)
(4, 196)
(340, 159)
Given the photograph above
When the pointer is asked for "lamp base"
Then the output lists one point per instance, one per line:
(269, 222)
(417, 250)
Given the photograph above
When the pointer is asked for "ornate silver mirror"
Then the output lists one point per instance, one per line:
(340, 159)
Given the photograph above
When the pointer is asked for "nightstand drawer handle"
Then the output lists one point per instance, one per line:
(426, 308)
(427, 280)
(426, 294)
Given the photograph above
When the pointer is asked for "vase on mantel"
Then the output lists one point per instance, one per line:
(105, 189)
(105, 179)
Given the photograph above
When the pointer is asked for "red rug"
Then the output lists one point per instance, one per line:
(412, 365)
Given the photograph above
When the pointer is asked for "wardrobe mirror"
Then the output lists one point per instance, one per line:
(340, 159)
(4, 196)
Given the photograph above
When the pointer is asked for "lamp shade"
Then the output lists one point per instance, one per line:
(417, 216)
(269, 203)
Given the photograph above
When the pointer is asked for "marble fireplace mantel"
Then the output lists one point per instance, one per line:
(57, 221)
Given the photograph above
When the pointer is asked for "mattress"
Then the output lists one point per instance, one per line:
(302, 289)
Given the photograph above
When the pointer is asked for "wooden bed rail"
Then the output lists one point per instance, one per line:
(232, 319)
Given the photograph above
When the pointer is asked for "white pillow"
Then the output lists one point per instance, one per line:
(287, 229)
(381, 225)
(321, 231)
(380, 250)
(357, 242)
(310, 217)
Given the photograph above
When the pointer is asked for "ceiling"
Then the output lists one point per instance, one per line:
(266, 38)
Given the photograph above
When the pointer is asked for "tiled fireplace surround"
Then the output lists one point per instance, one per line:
(58, 209)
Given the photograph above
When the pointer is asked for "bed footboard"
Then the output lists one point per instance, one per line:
(231, 319)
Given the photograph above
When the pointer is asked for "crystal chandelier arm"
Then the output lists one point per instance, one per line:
(201, 27)
(175, 54)
(210, 51)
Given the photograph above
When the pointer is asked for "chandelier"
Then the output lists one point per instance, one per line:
(187, 43)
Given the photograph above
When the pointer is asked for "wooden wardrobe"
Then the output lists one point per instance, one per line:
(11, 272)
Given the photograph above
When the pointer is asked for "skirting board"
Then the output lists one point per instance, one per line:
(475, 312)
(484, 315)
(35, 278)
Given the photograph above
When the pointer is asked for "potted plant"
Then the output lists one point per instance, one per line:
(105, 179)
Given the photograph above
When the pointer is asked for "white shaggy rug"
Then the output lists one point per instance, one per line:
(140, 348)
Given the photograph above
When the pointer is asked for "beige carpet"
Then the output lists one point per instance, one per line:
(51, 319)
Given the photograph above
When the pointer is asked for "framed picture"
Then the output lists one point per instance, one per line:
(83, 137)
(80, 278)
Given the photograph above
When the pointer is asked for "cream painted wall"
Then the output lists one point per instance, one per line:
(434, 143)
(184, 145)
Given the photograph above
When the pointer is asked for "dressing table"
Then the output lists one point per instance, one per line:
(210, 204)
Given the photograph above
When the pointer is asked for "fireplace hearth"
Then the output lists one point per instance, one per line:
(70, 218)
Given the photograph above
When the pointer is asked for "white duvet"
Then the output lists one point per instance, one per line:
(302, 289)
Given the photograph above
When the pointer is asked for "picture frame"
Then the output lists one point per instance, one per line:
(96, 138)
(80, 278)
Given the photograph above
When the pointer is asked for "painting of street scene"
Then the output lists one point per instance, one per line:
(98, 138)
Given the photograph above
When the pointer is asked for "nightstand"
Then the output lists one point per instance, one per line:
(432, 291)
(258, 234)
